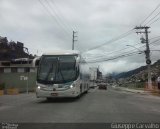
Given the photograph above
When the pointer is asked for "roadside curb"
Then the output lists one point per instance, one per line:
(132, 90)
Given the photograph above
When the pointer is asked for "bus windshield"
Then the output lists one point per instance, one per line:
(57, 69)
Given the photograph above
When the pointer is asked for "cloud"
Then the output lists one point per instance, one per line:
(115, 66)
(96, 21)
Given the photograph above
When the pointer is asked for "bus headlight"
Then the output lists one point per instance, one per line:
(39, 87)
(73, 85)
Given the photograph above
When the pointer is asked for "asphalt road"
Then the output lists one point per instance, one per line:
(98, 106)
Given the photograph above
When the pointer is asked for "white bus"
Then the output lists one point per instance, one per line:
(61, 74)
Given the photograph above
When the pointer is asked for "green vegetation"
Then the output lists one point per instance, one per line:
(2, 86)
(134, 85)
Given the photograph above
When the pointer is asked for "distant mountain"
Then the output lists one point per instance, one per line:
(155, 69)
(130, 73)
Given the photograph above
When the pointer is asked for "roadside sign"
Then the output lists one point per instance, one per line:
(23, 78)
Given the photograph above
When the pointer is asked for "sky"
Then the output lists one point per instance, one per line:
(48, 25)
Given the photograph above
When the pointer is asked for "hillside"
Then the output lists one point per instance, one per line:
(140, 73)
(12, 50)
(130, 73)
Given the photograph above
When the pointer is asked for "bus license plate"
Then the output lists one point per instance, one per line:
(54, 94)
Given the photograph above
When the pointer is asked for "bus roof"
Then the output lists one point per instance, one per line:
(62, 52)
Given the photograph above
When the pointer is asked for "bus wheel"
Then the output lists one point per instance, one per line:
(77, 97)
(80, 89)
(86, 91)
(49, 99)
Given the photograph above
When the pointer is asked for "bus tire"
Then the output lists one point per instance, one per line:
(86, 91)
(80, 89)
(49, 99)
(78, 96)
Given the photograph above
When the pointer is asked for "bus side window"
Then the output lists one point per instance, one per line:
(81, 75)
(77, 72)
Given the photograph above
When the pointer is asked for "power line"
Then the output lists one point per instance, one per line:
(154, 21)
(112, 40)
(107, 53)
(142, 22)
(52, 16)
(116, 52)
(58, 17)
(150, 14)
(155, 41)
(102, 56)
(123, 49)
(155, 50)
(109, 59)
(59, 11)
(125, 34)
(154, 37)
(123, 52)
(152, 18)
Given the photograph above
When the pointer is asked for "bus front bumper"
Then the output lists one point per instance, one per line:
(56, 94)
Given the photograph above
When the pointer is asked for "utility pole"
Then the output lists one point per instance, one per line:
(73, 39)
(27, 88)
(147, 51)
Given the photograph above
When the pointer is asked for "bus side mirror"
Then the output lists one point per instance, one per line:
(77, 71)
(77, 62)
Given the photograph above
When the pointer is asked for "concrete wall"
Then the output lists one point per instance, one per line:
(19, 80)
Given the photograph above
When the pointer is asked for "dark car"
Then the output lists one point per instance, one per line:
(102, 86)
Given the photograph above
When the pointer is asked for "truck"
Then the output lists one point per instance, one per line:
(93, 76)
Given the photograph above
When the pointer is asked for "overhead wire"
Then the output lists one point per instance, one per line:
(61, 14)
(104, 54)
(99, 57)
(112, 58)
(154, 21)
(127, 32)
(112, 40)
(155, 41)
(125, 53)
(115, 52)
(150, 14)
(52, 16)
(132, 29)
(58, 17)
(152, 18)
(154, 37)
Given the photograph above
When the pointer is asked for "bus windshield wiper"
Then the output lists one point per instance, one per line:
(50, 70)
(59, 70)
